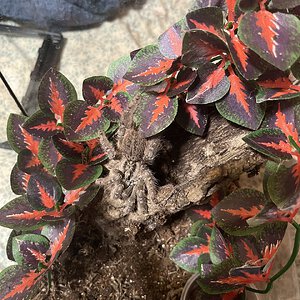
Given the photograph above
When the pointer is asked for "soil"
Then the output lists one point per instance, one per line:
(96, 268)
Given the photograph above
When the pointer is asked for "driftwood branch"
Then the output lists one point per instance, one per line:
(201, 166)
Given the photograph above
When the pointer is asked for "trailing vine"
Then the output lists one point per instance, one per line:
(237, 57)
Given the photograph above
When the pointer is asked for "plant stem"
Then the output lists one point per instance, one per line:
(287, 265)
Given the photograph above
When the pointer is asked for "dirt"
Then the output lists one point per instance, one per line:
(134, 268)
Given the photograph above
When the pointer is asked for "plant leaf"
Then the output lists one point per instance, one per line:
(218, 248)
(200, 46)
(284, 182)
(192, 118)
(186, 253)
(18, 214)
(118, 68)
(232, 212)
(60, 235)
(240, 106)
(95, 88)
(68, 149)
(148, 67)
(170, 42)
(284, 4)
(30, 249)
(48, 155)
(183, 81)
(28, 162)
(208, 19)
(73, 176)
(44, 192)
(213, 85)
(274, 37)
(42, 125)
(271, 142)
(248, 63)
(19, 180)
(83, 121)
(117, 104)
(54, 93)
(157, 112)
(18, 282)
(82, 196)
(18, 138)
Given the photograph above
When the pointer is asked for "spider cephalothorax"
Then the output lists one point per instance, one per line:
(132, 182)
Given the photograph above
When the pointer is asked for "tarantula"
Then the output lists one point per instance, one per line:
(133, 184)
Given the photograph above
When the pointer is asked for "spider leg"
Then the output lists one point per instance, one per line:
(149, 182)
(141, 198)
(153, 146)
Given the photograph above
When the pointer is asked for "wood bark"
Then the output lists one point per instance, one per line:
(198, 166)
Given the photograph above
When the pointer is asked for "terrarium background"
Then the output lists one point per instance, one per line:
(89, 53)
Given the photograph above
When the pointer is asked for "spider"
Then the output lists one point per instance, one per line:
(133, 183)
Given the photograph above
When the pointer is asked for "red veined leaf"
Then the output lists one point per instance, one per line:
(116, 105)
(42, 125)
(202, 229)
(95, 88)
(219, 248)
(248, 63)
(30, 250)
(148, 66)
(68, 149)
(208, 19)
(245, 249)
(268, 241)
(159, 88)
(83, 121)
(210, 274)
(201, 212)
(60, 235)
(192, 118)
(19, 180)
(209, 3)
(200, 46)
(271, 142)
(28, 162)
(273, 36)
(183, 81)
(287, 107)
(170, 42)
(157, 112)
(18, 214)
(54, 93)
(295, 68)
(19, 138)
(284, 4)
(271, 213)
(232, 212)
(245, 275)
(212, 86)
(73, 176)
(283, 182)
(186, 253)
(239, 105)
(82, 196)
(287, 128)
(278, 89)
(118, 68)
(18, 282)
(231, 4)
(48, 155)
(44, 191)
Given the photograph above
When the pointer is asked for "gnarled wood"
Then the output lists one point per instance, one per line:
(202, 166)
